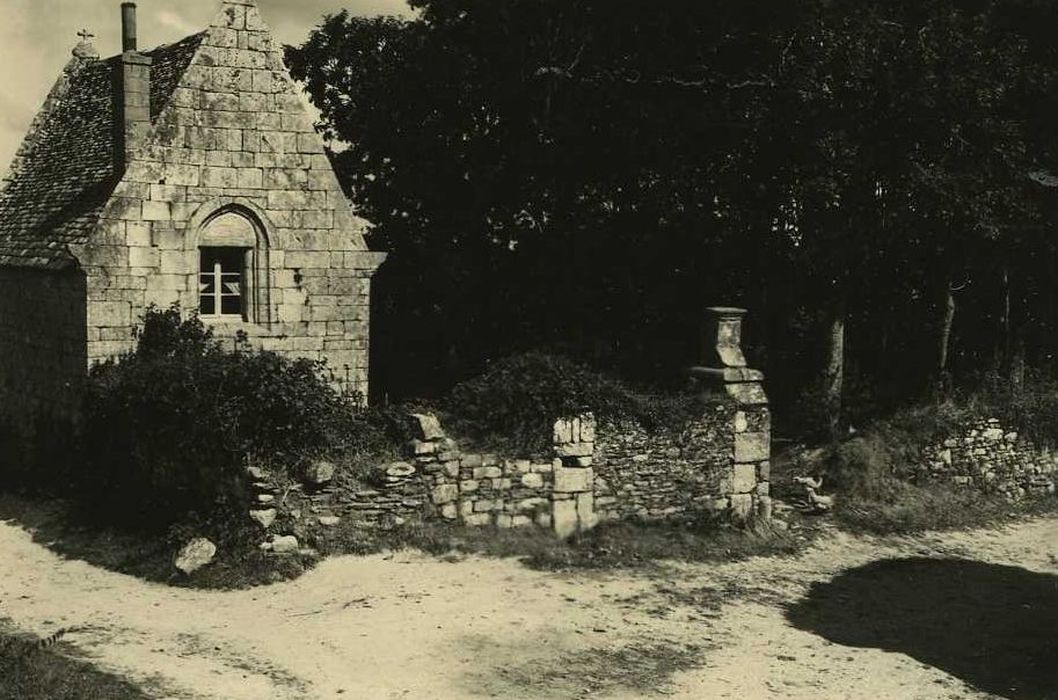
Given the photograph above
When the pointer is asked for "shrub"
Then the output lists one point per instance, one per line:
(873, 473)
(519, 398)
(1029, 406)
(169, 427)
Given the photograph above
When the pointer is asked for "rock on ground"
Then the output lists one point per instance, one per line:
(194, 555)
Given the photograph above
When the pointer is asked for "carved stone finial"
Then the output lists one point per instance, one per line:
(723, 337)
(85, 49)
(722, 361)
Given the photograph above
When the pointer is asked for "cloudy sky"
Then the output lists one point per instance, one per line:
(36, 37)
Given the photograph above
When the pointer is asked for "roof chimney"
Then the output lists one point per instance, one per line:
(128, 26)
(133, 89)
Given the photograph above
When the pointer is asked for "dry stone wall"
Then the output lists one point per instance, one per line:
(993, 460)
(595, 473)
(674, 472)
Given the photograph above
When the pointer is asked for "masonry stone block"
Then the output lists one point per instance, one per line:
(144, 257)
(564, 518)
(576, 449)
(445, 493)
(137, 233)
(478, 519)
(747, 393)
(220, 177)
(586, 515)
(741, 506)
(101, 314)
(745, 478)
(752, 447)
(533, 481)
(573, 479)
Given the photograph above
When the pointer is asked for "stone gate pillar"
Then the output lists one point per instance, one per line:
(723, 367)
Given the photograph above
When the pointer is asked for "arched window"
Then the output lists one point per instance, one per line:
(232, 268)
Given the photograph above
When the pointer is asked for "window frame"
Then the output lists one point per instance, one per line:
(220, 275)
(253, 241)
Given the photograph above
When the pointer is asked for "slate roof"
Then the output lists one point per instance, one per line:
(67, 168)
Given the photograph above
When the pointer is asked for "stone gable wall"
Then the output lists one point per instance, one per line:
(235, 132)
(42, 345)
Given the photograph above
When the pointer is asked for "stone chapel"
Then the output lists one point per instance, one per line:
(190, 173)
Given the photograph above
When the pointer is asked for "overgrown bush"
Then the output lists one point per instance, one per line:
(873, 472)
(170, 427)
(1029, 406)
(519, 398)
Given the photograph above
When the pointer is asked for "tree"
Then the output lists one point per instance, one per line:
(586, 175)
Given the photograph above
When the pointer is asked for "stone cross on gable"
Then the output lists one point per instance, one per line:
(85, 50)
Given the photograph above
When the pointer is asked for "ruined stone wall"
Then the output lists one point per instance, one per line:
(593, 474)
(483, 489)
(42, 344)
(235, 133)
(991, 459)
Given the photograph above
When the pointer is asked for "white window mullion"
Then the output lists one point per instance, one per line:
(218, 288)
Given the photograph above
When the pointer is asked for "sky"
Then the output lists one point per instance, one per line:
(37, 36)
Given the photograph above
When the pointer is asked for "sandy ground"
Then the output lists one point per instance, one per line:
(412, 626)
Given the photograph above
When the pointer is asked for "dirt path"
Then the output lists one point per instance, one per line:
(411, 626)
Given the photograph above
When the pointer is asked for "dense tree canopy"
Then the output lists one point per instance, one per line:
(587, 175)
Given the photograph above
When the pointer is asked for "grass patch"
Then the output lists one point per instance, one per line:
(869, 474)
(615, 545)
(935, 508)
(556, 672)
(30, 673)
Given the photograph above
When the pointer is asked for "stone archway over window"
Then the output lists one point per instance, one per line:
(233, 280)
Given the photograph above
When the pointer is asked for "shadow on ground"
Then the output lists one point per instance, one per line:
(994, 627)
(548, 667)
(52, 524)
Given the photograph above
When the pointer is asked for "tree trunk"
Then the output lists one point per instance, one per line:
(1052, 277)
(944, 341)
(834, 369)
(1003, 347)
(1017, 366)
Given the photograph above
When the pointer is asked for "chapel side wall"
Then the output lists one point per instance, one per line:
(235, 132)
(42, 345)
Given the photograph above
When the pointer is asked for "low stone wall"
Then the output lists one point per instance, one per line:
(594, 473)
(717, 463)
(994, 460)
(482, 489)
